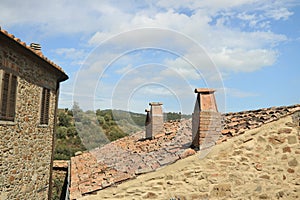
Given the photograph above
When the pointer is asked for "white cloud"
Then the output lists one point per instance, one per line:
(240, 60)
(280, 13)
(213, 5)
(236, 35)
(161, 91)
(214, 38)
(180, 67)
(76, 57)
(239, 93)
(71, 53)
(124, 69)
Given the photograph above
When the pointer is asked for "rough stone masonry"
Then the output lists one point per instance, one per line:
(26, 145)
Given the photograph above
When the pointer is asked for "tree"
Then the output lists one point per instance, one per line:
(64, 119)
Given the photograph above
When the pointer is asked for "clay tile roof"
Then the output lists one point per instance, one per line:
(38, 53)
(238, 122)
(129, 157)
(133, 155)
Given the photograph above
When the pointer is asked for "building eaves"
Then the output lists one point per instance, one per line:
(37, 53)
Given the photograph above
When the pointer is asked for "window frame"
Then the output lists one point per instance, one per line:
(8, 109)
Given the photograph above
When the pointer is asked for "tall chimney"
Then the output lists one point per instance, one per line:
(206, 122)
(155, 124)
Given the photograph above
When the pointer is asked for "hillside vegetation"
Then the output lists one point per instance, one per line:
(79, 130)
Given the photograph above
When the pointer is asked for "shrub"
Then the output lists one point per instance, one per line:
(61, 132)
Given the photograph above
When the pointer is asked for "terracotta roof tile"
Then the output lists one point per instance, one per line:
(237, 123)
(131, 156)
(38, 53)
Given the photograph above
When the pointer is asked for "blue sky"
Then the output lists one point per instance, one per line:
(125, 54)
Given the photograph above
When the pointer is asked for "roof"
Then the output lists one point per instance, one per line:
(237, 123)
(37, 53)
(262, 163)
(131, 156)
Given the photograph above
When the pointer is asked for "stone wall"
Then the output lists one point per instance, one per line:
(296, 118)
(26, 146)
(60, 179)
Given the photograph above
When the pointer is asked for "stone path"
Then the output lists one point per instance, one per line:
(263, 163)
(132, 156)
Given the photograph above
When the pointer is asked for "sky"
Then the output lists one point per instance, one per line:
(125, 54)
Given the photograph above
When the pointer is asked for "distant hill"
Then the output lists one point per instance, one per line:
(129, 122)
(96, 128)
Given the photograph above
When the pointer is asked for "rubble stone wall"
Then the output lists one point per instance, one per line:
(262, 163)
(25, 145)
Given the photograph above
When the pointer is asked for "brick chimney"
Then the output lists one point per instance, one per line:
(206, 122)
(154, 120)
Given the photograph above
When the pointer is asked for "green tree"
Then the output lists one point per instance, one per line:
(61, 132)
(71, 131)
(64, 119)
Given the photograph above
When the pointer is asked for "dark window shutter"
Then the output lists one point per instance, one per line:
(42, 107)
(45, 102)
(8, 98)
(5, 86)
(12, 99)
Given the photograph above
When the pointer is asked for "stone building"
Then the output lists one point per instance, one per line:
(29, 88)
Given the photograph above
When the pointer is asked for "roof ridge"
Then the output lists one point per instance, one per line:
(38, 53)
(261, 109)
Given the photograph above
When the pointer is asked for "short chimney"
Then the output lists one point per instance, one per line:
(206, 122)
(36, 47)
(154, 120)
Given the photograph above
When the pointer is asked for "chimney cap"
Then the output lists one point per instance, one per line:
(35, 46)
(147, 110)
(155, 103)
(204, 90)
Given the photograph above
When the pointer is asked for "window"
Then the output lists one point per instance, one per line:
(8, 96)
(45, 106)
